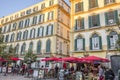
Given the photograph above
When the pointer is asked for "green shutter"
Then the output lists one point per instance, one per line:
(100, 42)
(76, 24)
(82, 23)
(96, 3)
(114, 0)
(52, 30)
(82, 6)
(108, 42)
(75, 45)
(105, 2)
(90, 43)
(89, 4)
(42, 31)
(47, 31)
(98, 17)
(116, 16)
(106, 18)
(75, 7)
(83, 44)
(52, 15)
(90, 21)
(48, 15)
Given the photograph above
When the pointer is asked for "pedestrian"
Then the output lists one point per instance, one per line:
(100, 72)
(56, 71)
(109, 74)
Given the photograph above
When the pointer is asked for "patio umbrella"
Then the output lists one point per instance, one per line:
(94, 58)
(72, 59)
(1, 59)
(50, 59)
(15, 59)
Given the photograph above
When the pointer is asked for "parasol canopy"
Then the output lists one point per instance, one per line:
(50, 59)
(15, 59)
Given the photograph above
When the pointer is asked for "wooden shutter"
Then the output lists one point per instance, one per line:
(82, 23)
(116, 16)
(100, 42)
(75, 45)
(83, 44)
(76, 24)
(42, 31)
(108, 42)
(90, 43)
(51, 29)
(106, 18)
(90, 21)
(98, 17)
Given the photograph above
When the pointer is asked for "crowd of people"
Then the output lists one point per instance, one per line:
(89, 71)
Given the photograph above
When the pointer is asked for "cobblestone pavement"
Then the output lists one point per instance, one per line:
(16, 77)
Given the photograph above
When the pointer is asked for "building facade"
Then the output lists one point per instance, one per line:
(43, 28)
(94, 29)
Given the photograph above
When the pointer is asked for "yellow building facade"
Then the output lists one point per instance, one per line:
(93, 27)
(43, 27)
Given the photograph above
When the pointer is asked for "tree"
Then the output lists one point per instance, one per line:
(30, 57)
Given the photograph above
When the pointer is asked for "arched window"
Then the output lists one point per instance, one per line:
(34, 20)
(32, 33)
(49, 30)
(111, 39)
(20, 25)
(95, 42)
(40, 32)
(12, 37)
(17, 49)
(48, 46)
(7, 38)
(19, 34)
(38, 47)
(79, 43)
(27, 21)
(14, 26)
(31, 46)
(25, 35)
(23, 47)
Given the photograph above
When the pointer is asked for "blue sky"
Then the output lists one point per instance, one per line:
(11, 6)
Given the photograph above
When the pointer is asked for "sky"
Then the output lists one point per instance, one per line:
(8, 7)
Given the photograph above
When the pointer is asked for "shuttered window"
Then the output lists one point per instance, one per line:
(79, 7)
(93, 3)
(79, 23)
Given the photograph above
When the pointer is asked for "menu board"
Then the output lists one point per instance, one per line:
(9, 70)
(41, 73)
(35, 73)
(61, 75)
(78, 75)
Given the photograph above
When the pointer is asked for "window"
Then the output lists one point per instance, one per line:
(41, 18)
(48, 46)
(28, 11)
(40, 31)
(35, 9)
(9, 27)
(94, 21)
(31, 46)
(51, 2)
(27, 22)
(50, 15)
(43, 6)
(17, 49)
(111, 39)
(14, 26)
(79, 23)
(79, 7)
(79, 44)
(93, 3)
(20, 25)
(23, 47)
(111, 17)
(49, 30)
(25, 34)
(22, 13)
(7, 38)
(12, 37)
(95, 42)
(34, 20)
(32, 33)
(4, 29)
(38, 47)
(108, 1)
(19, 34)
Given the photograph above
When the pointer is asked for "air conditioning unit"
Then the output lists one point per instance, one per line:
(111, 21)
